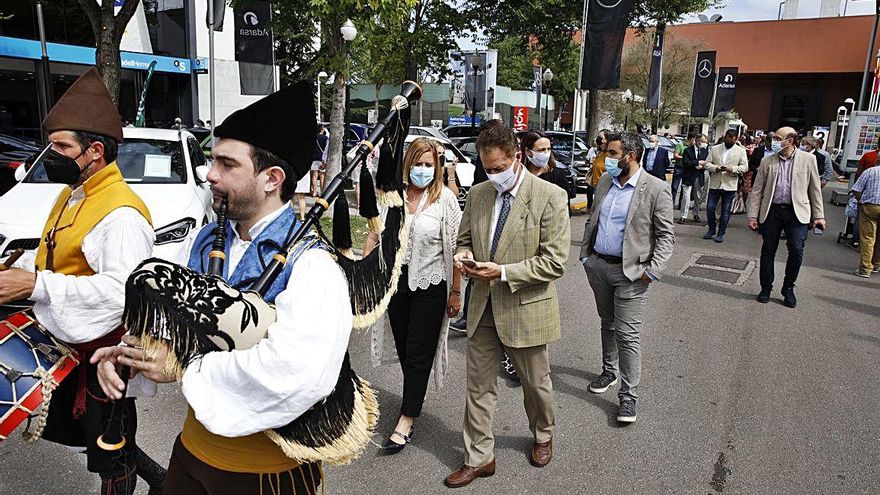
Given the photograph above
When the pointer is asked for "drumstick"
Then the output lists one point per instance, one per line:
(6, 265)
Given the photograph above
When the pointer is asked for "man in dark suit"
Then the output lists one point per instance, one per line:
(656, 159)
(693, 164)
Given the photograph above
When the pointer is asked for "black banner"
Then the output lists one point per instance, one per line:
(704, 84)
(473, 78)
(655, 78)
(253, 37)
(725, 94)
(219, 14)
(606, 27)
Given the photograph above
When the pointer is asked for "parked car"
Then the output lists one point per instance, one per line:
(464, 169)
(14, 152)
(454, 132)
(415, 130)
(165, 167)
(468, 147)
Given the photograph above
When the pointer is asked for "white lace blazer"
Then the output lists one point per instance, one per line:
(432, 236)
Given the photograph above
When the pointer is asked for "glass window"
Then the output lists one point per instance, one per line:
(142, 161)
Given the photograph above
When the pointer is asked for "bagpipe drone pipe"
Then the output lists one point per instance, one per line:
(191, 314)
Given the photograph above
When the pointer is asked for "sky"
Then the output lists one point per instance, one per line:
(762, 10)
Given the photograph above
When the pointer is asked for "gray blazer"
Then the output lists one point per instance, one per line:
(649, 234)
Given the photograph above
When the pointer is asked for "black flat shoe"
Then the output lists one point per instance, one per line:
(391, 447)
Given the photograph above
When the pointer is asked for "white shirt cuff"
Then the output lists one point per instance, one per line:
(40, 294)
(503, 274)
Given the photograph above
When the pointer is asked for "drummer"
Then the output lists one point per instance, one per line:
(97, 232)
(235, 396)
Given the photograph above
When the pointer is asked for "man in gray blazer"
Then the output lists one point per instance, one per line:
(786, 197)
(625, 249)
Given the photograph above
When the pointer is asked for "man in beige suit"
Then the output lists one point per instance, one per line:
(626, 247)
(786, 196)
(513, 240)
(726, 162)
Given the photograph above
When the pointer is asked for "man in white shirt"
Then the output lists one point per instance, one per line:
(235, 396)
(97, 233)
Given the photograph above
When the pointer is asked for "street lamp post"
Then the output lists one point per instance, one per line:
(547, 77)
(349, 32)
(475, 65)
(321, 75)
(627, 97)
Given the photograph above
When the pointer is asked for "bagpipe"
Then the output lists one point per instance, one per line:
(192, 314)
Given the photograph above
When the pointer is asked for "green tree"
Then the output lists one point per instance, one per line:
(515, 62)
(549, 26)
(108, 28)
(675, 94)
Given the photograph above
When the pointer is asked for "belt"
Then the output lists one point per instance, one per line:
(614, 260)
(781, 205)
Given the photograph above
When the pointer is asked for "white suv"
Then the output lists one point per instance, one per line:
(165, 167)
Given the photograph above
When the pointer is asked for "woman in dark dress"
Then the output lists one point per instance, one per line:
(537, 156)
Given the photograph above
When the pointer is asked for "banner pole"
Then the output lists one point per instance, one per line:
(578, 93)
(211, 67)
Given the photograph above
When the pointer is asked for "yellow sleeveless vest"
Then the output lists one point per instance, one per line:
(253, 453)
(104, 192)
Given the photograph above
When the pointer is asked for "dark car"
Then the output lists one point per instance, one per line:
(468, 147)
(454, 132)
(14, 152)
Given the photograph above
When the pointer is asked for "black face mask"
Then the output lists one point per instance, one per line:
(62, 168)
(728, 145)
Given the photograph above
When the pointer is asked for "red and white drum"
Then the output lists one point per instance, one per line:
(31, 361)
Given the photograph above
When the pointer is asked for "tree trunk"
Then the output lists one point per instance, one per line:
(109, 64)
(337, 127)
(593, 114)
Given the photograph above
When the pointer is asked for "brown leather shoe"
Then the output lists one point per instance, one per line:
(541, 453)
(466, 474)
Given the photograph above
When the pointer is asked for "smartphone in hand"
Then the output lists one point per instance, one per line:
(468, 262)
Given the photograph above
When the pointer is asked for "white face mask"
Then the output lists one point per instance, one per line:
(503, 181)
(540, 159)
(652, 145)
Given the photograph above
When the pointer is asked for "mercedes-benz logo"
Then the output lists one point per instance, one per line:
(704, 69)
(251, 19)
(608, 4)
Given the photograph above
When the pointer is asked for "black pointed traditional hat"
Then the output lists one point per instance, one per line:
(282, 123)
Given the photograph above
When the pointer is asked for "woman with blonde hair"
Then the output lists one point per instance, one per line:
(429, 290)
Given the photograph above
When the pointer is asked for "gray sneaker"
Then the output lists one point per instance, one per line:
(863, 274)
(602, 382)
(627, 411)
(876, 269)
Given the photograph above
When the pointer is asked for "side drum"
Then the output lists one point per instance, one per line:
(32, 364)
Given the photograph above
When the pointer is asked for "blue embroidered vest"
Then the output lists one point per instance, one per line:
(257, 256)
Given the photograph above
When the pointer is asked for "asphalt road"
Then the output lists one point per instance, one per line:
(736, 397)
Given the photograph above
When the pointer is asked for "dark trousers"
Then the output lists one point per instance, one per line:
(782, 219)
(590, 191)
(415, 318)
(187, 475)
(676, 184)
(726, 198)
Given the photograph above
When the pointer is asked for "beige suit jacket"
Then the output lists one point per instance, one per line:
(533, 249)
(806, 188)
(649, 233)
(737, 163)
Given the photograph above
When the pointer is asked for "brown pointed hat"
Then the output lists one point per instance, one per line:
(86, 107)
(282, 123)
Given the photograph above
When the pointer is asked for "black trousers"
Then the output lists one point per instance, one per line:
(782, 219)
(187, 475)
(415, 318)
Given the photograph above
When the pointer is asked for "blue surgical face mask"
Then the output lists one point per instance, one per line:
(776, 146)
(421, 177)
(611, 166)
